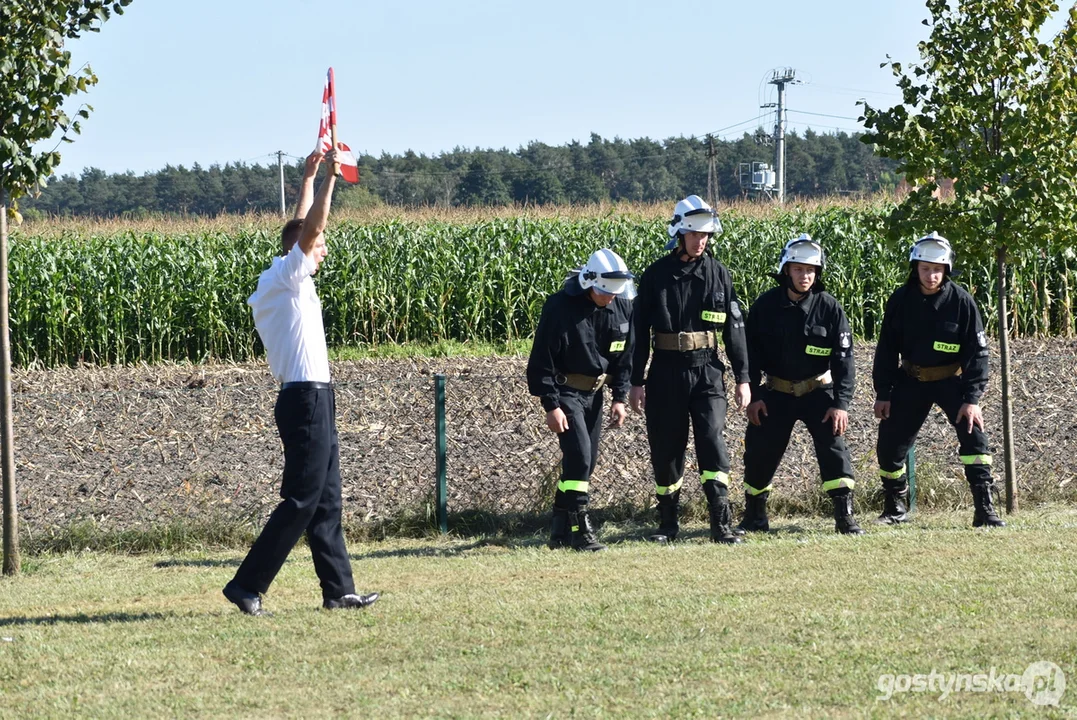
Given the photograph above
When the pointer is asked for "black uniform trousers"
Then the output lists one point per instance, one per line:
(910, 402)
(765, 444)
(579, 447)
(675, 395)
(311, 497)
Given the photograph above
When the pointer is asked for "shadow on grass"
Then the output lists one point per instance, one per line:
(235, 562)
(82, 618)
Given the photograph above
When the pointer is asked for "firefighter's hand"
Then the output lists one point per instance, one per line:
(310, 165)
(556, 420)
(742, 395)
(756, 412)
(882, 409)
(839, 420)
(972, 414)
(618, 412)
(637, 397)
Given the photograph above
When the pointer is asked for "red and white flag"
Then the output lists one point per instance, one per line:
(327, 129)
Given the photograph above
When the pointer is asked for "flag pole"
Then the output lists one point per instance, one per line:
(333, 117)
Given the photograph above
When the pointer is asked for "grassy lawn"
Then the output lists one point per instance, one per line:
(798, 623)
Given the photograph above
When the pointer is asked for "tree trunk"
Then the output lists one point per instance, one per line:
(1007, 405)
(7, 436)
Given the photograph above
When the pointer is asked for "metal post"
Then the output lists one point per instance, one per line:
(910, 471)
(280, 166)
(7, 433)
(781, 78)
(441, 491)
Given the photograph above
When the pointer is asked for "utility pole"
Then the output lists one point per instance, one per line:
(7, 434)
(780, 78)
(280, 166)
(712, 173)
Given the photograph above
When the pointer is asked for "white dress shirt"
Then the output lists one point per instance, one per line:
(288, 316)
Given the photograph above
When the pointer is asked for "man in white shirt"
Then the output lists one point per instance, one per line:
(288, 316)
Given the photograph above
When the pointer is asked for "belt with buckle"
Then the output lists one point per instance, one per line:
(931, 373)
(684, 341)
(306, 385)
(583, 383)
(803, 387)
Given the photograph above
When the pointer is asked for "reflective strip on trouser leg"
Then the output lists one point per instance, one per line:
(896, 475)
(749, 490)
(579, 486)
(668, 489)
(975, 459)
(722, 478)
(845, 482)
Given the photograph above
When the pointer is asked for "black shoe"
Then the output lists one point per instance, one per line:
(349, 601)
(755, 514)
(668, 523)
(844, 521)
(560, 533)
(895, 502)
(583, 533)
(721, 517)
(985, 515)
(250, 603)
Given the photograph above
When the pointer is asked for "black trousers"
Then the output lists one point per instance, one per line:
(910, 402)
(310, 492)
(765, 444)
(579, 447)
(675, 396)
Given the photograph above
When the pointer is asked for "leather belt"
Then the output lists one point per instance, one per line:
(583, 383)
(684, 341)
(803, 387)
(306, 385)
(930, 374)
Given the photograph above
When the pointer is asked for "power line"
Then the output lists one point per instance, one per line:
(839, 117)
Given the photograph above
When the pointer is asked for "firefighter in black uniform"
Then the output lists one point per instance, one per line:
(686, 298)
(583, 343)
(799, 337)
(933, 324)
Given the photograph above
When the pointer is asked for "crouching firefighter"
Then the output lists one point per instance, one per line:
(582, 344)
(686, 299)
(798, 336)
(932, 351)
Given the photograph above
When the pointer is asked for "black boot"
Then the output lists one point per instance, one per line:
(755, 514)
(895, 502)
(560, 535)
(721, 516)
(844, 521)
(583, 534)
(668, 523)
(985, 514)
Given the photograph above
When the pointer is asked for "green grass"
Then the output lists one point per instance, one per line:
(800, 623)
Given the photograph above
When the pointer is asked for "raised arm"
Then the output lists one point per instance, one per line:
(306, 188)
(315, 221)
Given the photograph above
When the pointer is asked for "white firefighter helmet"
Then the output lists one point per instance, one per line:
(802, 249)
(607, 272)
(692, 214)
(933, 248)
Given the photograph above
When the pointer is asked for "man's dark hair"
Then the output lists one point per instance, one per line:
(289, 235)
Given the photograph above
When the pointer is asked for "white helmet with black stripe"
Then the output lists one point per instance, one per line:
(933, 248)
(692, 214)
(607, 272)
(802, 249)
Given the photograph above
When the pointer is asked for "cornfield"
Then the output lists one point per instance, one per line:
(116, 294)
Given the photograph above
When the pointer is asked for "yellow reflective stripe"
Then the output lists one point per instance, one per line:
(946, 347)
(712, 316)
(573, 485)
(722, 478)
(822, 352)
(617, 346)
(892, 475)
(668, 489)
(838, 483)
(976, 459)
(752, 491)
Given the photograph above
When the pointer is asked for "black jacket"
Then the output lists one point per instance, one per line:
(576, 336)
(673, 296)
(800, 340)
(932, 330)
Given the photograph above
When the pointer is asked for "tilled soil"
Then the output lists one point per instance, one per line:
(130, 447)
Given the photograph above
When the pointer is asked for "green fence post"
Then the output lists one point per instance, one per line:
(441, 491)
(910, 468)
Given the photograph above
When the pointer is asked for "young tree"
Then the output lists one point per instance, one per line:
(35, 79)
(994, 107)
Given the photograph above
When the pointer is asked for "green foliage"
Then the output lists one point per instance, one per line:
(994, 108)
(144, 297)
(35, 79)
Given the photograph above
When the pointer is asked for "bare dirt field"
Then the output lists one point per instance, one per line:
(130, 447)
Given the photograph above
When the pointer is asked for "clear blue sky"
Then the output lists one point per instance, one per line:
(185, 81)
